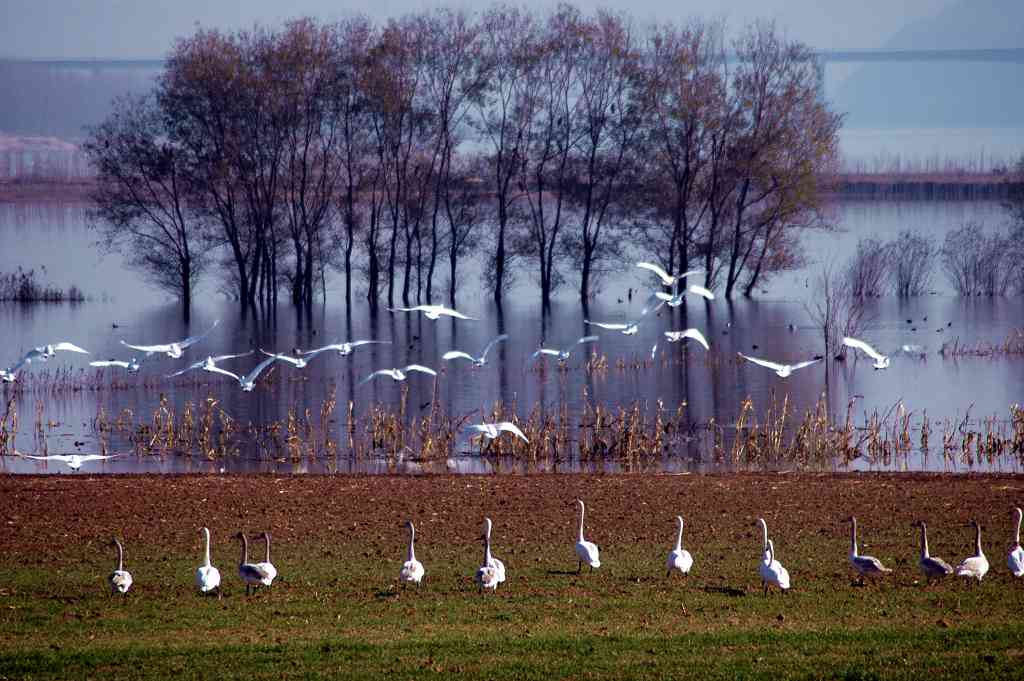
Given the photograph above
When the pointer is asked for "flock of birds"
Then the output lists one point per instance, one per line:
(492, 571)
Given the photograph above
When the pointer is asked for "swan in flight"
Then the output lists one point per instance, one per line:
(676, 299)
(586, 551)
(679, 558)
(676, 336)
(563, 355)
(207, 576)
(492, 430)
(881, 361)
(666, 278)
(120, 579)
(72, 461)
(977, 565)
(433, 311)
(269, 571)
(628, 328)
(132, 365)
(412, 569)
(398, 374)
(477, 361)
(250, 573)
(173, 350)
(38, 354)
(931, 566)
(248, 382)
(493, 570)
(867, 566)
(343, 349)
(297, 362)
(782, 370)
(772, 571)
(208, 364)
(1015, 559)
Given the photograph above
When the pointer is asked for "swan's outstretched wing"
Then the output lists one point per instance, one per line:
(457, 354)
(439, 309)
(251, 376)
(655, 302)
(218, 370)
(607, 325)
(190, 367)
(495, 341)
(418, 308)
(762, 362)
(70, 347)
(545, 351)
(221, 358)
(510, 427)
(375, 374)
(192, 340)
(478, 427)
(667, 278)
(313, 353)
(586, 339)
(864, 347)
(284, 358)
(166, 347)
(103, 363)
(420, 368)
(700, 291)
(97, 457)
(801, 365)
(696, 335)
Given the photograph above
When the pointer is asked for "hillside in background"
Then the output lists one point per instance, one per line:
(943, 94)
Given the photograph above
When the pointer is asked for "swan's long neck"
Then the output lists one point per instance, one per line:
(764, 534)
(924, 541)
(412, 541)
(582, 511)
(977, 541)
(853, 536)
(206, 556)
(245, 550)
(771, 553)
(487, 541)
(266, 537)
(120, 556)
(1016, 537)
(679, 537)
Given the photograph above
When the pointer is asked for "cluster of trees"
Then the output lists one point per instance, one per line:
(554, 143)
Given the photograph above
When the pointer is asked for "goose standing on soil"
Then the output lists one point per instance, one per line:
(679, 558)
(1015, 560)
(586, 551)
(269, 571)
(931, 566)
(772, 571)
(120, 579)
(207, 576)
(250, 573)
(976, 566)
(412, 569)
(866, 566)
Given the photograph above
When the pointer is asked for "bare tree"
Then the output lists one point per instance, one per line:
(869, 270)
(912, 263)
(977, 263)
(835, 310)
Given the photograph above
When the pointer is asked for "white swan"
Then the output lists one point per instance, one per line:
(666, 278)
(586, 551)
(881, 361)
(120, 579)
(269, 571)
(782, 370)
(207, 576)
(676, 299)
(248, 382)
(343, 349)
(38, 354)
(866, 566)
(931, 566)
(398, 374)
(676, 336)
(433, 311)
(1015, 559)
(251, 574)
(132, 365)
(491, 572)
(679, 558)
(412, 570)
(563, 355)
(297, 362)
(492, 430)
(772, 571)
(976, 566)
(764, 540)
(72, 461)
(477, 361)
(208, 364)
(175, 349)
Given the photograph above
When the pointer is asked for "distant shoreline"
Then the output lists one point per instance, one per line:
(48, 191)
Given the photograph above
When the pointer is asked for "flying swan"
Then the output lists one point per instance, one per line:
(175, 349)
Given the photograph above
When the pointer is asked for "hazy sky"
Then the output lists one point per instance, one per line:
(146, 28)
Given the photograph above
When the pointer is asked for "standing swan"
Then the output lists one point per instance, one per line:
(764, 543)
(586, 551)
(412, 569)
(931, 566)
(486, 576)
(977, 565)
(679, 558)
(1016, 558)
(207, 576)
(120, 579)
(867, 566)
(488, 558)
(250, 573)
(269, 571)
(772, 571)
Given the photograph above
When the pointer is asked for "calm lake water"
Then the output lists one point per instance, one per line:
(54, 237)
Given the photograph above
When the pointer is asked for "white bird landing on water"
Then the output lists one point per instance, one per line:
(398, 374)
(208, 364)
(666, 278)
(881, 361)
(563, 355)
(492, 430)
(433, 311)
(477, 361)
(38, 354)
(132, 365)
(72, 461)
(782, 370)
(676, 336)
(343, 349)
(175, 349)
(248, 382)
